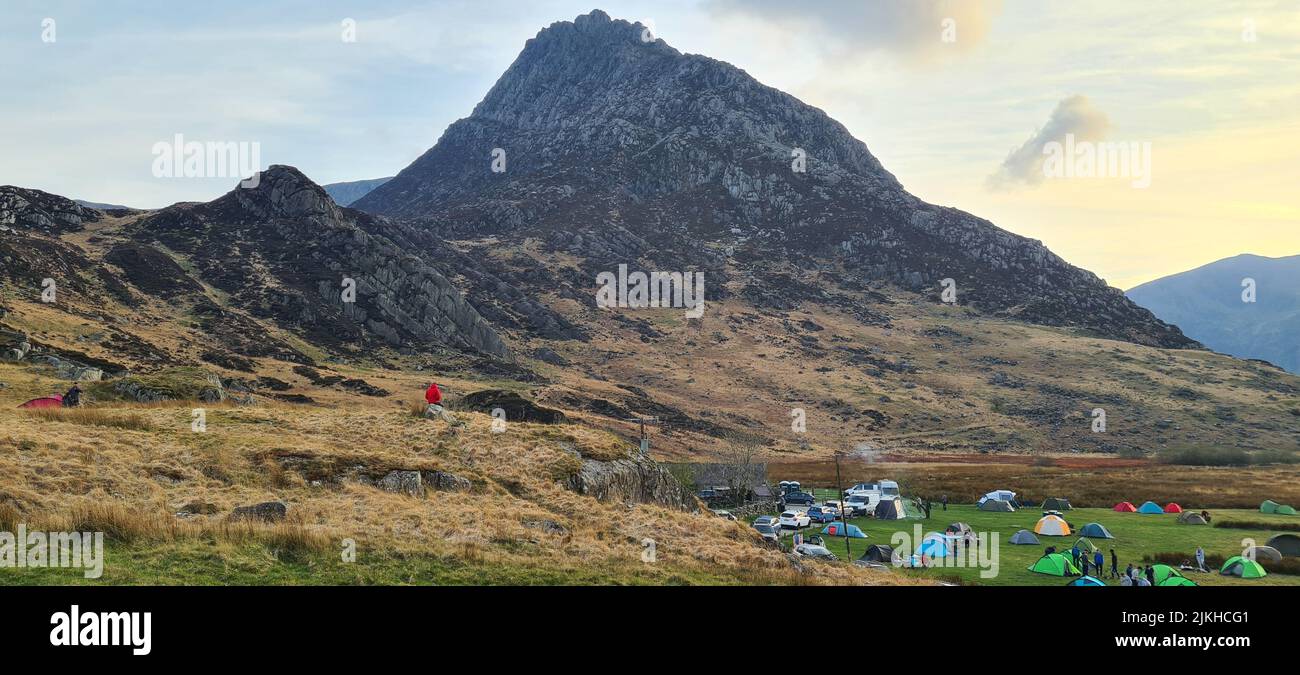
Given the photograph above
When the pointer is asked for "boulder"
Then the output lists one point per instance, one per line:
(517, 408)
(267, 512)
(446, 482)
(640, 480)
(402, 482)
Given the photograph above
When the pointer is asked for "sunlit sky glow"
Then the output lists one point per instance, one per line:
(1221, 110)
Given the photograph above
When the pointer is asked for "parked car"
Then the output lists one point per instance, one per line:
(860, 505)
(815, 551)
(795, 519)
(723, 514)
(797, 497)
(768, 532)
(770, 521)
(823, 514)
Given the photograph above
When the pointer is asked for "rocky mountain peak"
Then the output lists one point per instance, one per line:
(28, 209)
(285, 192)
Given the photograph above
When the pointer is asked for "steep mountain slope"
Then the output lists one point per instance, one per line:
(1207, 303)
(616, 150)
(345, 193)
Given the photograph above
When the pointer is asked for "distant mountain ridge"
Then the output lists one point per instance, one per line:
(1206, 303)
(345, 193)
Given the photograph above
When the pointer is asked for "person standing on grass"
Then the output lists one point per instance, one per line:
(1099, 563)
(944, 501)
(1128, 574)
(1074, 553)
(1114, 565)
(1151, 574)
(1200, 559)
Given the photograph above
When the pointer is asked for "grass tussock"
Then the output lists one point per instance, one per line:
(92, 417)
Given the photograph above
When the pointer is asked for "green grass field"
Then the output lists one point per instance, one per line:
(1136, 536)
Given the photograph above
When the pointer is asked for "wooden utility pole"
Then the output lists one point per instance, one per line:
(844, 519)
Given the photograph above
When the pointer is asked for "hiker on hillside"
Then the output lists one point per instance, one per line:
(1114, 565)
(1200, 559)
(72, 399)
(435, 409)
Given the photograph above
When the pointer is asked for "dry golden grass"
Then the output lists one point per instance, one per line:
(92, 417)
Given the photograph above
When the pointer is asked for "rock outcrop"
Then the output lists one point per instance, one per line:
(637, 480)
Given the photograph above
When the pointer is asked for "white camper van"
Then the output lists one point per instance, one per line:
(872, 492)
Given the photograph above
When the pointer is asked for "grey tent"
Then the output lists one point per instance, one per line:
(998, 505)
(1024, 537)
(1190, 518)
(890, 509)
(1286, 544)
(878, 553)
(959, 529)
(1264, 553)
(1056, 504)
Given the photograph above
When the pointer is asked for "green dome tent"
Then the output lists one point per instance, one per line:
(1164, 573)
(1237, 566)
(1054, 564)
(1269, 506)
(1096, 530)
(1177, 581)
(1286, 510)
(1056, 504)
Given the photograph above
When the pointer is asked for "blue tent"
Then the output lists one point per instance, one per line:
(1150, 507)
(1087, 581)
(1096, 530)
(834, 530)
(933, 546)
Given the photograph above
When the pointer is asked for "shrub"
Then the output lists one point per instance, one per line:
(1257, 525)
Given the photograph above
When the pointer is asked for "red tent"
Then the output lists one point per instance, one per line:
(55, 401)
(1173, 508)
(1125, 507)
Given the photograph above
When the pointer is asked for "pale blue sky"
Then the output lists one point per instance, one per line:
(80, 115)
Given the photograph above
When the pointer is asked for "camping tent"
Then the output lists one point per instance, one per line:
(1269, 506)
(1237, 566)
(1052, 526)
(838, 529)
(1056, 504)
(1024, 537)
(890, 508)
(1191, 518)
(1087, 581)
(1096, 530)
(878, 553)
(959, 529)
(1173, 507)
(1085, 545)
(55, 401)
(1286, 510)
(1054, 564)
(1125, 507)
(1264, 553)
(1003, 495)
(1288, 544)
(1163, 573)
(997, 505)
(1177, 581)
(1150, 507)
(934, 545)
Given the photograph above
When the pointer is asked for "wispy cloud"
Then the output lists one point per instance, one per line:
(1074, 116)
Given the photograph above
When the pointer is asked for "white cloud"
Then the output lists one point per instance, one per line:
(1075, 116)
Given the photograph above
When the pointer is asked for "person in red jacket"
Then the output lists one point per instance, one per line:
(435, 409)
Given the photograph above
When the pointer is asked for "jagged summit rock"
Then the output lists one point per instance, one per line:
(614, 148)
(29, 209)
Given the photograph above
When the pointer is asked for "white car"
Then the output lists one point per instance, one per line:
(795, 519)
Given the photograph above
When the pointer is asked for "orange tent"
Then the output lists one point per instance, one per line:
(1125, 507)
(1173, 508)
